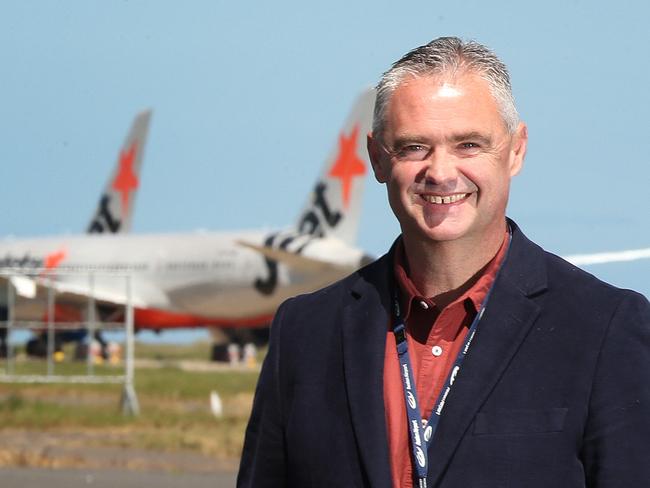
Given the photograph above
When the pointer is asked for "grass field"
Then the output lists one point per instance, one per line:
(174, 403)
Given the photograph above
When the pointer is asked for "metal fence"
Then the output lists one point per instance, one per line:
(30, 304)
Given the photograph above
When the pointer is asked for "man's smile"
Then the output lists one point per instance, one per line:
(445, 199)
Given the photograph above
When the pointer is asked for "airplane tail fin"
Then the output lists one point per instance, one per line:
(333, 208)
(115, 209)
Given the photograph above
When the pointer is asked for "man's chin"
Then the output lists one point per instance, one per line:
(443, 232)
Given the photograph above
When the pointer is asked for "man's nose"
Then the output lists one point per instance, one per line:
(441, 167)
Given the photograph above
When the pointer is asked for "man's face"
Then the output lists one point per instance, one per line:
(460, 189)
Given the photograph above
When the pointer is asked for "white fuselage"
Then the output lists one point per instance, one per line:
(205, 274)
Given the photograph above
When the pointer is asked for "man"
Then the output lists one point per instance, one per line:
(467, 356)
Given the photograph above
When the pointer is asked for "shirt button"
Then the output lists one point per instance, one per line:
(436, 351)
(424, 305)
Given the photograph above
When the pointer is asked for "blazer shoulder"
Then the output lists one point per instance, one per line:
(560, 270)
(583, 294)
(333, 296)
(560, 285)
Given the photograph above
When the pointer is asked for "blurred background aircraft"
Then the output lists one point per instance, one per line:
(220, 280)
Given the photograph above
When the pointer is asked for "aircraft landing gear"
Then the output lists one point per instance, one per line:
(237, 345)
(37, 346)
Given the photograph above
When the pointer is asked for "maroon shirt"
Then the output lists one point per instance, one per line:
(435, 337)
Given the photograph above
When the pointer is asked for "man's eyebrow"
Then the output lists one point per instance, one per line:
(407, 138)
(484, 139)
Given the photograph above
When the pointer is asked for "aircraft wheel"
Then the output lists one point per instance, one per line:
(220, 353)
(35, 347)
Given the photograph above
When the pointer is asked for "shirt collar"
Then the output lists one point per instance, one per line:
(473, 296)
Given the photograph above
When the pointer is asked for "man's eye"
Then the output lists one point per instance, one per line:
(469, 145)
(469, 148)
(412, 152)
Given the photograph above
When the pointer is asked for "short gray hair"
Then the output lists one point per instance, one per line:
(449, 55)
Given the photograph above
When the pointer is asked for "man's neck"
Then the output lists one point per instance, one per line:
(445, 270)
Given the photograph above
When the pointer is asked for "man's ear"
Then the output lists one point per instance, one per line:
(519, 146)
(377, 159)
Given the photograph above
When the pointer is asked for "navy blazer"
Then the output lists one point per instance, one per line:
(554, 392)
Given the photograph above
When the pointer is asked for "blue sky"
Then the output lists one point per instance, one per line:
(248, 98)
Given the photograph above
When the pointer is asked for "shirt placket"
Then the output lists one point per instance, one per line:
(438, 355)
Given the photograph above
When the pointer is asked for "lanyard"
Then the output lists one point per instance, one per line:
(421, 432)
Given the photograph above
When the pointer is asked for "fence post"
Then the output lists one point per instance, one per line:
(11, 299)
(91, 323)
(50, 331)
(130, 404)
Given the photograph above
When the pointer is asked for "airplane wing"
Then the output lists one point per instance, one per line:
(310, 264)
(36, 289)
(296, 261)
(608, 257)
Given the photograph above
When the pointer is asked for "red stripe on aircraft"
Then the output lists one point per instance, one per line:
(162, 319)
(150, 318)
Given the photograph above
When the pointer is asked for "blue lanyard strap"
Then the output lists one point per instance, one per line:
(422, 433)
(418, 443)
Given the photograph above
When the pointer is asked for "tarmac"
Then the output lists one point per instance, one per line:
(110, 478)
(31, 459)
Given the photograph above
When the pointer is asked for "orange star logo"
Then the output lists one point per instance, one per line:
(126, 180)
(348, 164)
(53, 260)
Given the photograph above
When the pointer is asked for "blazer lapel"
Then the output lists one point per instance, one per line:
(505, 324)
(364, 327)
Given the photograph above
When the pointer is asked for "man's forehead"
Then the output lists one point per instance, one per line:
(448, 90)
(444, 85)
(427, 97)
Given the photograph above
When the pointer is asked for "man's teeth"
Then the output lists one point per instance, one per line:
(446, 199)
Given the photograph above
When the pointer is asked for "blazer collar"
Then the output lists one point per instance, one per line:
(508, 317)
(525, 266)
(506, 322)
(364, 327)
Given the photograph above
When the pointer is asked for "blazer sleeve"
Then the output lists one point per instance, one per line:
(263, 457)
(616, 442)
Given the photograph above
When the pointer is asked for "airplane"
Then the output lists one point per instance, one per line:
(113, 215)
(205, 279)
